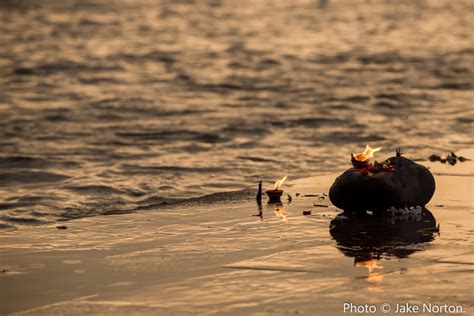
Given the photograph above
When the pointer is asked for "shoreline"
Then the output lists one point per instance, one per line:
(225, 259)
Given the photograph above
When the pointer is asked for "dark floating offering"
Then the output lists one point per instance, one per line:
(451, 158)
(275, 194)
(396, 182)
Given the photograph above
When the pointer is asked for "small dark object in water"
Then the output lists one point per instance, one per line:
(61, 227)
(430, 230)
(274, 196)
(398, 182)
(434, 158)
(320, 205)
(306, 213)
(289, 198)
(451, 158)
(259, 193)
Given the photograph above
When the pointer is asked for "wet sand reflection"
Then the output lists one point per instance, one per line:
(370, 238)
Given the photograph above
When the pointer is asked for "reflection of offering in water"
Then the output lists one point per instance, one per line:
(280, 212)
(370, 238)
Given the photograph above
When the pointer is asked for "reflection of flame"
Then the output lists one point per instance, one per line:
(374, 277)
(370, 264)
(367, 154)
(280, 213)
(280, 182)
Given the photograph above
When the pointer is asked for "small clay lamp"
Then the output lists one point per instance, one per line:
(362, 160)
(275, 194)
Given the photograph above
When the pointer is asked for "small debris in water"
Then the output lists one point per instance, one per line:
(306, 213)
(320, 205)
(430, 230)
(451, 158)
(297, 194)
(61, 227)
(289, 198)
(259, 193)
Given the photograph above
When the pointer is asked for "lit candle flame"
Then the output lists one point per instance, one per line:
(280, 182)
(367, 154)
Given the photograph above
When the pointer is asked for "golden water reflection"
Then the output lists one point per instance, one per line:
(280, 211)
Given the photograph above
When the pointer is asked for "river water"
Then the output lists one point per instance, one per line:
(111, 105)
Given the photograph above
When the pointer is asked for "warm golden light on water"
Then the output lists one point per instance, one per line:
(374, 278)
(281, 213)
(371, 265)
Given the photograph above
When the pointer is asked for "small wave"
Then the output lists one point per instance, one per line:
(63, 66)
(7, 226)
(159, 56)
(174, 135)
(314, 121)
(9, 206)
(93, 189)
(23, 220)
(356, 99)
(256, 159)
(454, 85)
(30, 177)
(220, 197)
(389, 57)
(348, 137)
(133, 169)
(22, 162)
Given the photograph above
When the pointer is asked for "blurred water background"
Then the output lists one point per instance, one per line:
(111, 105)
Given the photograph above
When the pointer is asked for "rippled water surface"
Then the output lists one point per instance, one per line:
(107, 106)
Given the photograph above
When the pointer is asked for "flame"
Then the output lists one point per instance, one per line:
(279, 183)
(367, 154)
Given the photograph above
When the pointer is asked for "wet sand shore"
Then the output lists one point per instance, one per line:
(224, 259)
